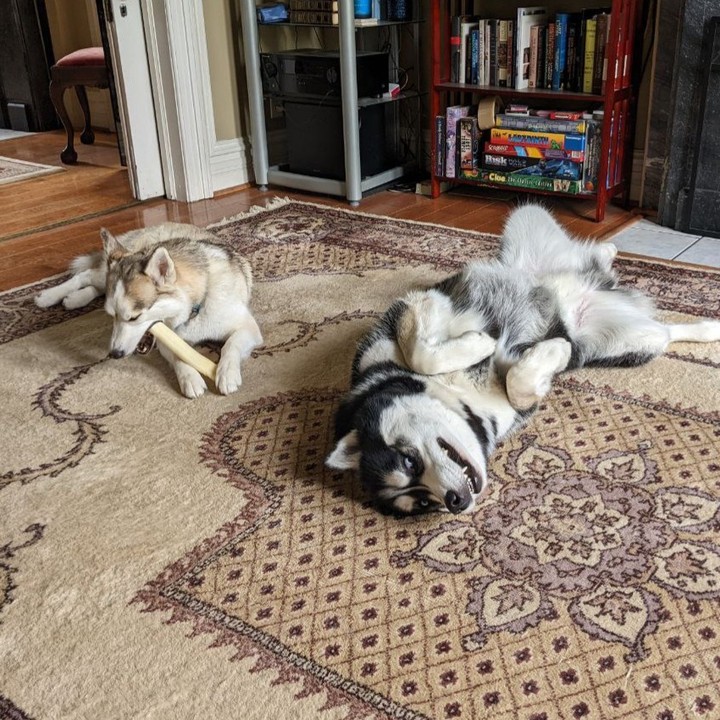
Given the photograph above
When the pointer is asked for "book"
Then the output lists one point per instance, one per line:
(527, 17)
(549, 55)
(452, 114)
(482, 54)
(533, 152)
(511, 163)
(540, 124)
(315, 5)
(531, 182)
(591, 166)
(502, 53)
(534, 56)
(559, 141)
(439, 157)
(589, 54)
(493, 24)
(474, 55)
(561, 31)
(466, 25)
(486, 55)
(455, 48)
(541, 57)
(511, 54)
(602, 27)
(467, 140)
(570, 81)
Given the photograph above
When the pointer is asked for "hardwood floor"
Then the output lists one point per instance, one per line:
(49, 220)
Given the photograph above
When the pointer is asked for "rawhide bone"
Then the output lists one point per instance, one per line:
(188, 354)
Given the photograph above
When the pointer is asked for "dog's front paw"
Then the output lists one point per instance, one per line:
(192, 384)
(479, 346)
(228, 378)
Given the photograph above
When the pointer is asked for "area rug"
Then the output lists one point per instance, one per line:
(167, 558)
(12, 170)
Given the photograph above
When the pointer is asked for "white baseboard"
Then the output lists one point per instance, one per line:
(230, 163)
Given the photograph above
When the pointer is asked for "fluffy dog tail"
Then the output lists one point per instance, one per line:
(91, 261)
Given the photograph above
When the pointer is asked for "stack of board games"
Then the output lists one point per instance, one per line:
(545, 150)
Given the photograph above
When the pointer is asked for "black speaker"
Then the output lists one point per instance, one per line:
(316, 145)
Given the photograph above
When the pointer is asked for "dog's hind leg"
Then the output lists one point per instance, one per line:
(434, 339)
(703, 331)
(242, 341)
(91, 280)
(529, 380)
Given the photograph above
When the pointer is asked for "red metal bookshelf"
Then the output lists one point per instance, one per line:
(618, 102)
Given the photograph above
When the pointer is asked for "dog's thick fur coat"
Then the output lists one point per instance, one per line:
(176, 274)
(450, 371)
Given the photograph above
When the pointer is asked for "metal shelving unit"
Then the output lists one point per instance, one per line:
(354, 185)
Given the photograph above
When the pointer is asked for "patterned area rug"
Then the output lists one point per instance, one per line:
(161, 557)
(12, 170)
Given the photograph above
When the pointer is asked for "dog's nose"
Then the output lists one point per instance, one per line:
(115, 353)
(455, 503)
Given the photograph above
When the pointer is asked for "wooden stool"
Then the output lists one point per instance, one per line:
(79, 69)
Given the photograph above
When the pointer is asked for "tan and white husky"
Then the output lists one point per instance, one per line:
(176, 274)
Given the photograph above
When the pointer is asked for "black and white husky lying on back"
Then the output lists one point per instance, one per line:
(450, 371)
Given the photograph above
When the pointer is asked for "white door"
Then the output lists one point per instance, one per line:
(126, 37)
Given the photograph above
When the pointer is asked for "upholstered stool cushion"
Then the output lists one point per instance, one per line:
(85, 57)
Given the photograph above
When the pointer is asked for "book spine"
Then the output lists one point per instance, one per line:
(534, 47)
(539, 124)
(439, 165)
(452, 115)
(541, 57)
(493, 51)
(455, 48)
(512, 40)
(569, 79)
(474, 47)
(591, 166)
(481, 53)
(561, 29)
(531, 182)
(558, 141)
(533, 152)
(467, 134)
(486, 59)
(502, 53)
(549, 55)
(589, 54)
(601, 30)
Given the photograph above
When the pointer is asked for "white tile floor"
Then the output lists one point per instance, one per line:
(647, 238)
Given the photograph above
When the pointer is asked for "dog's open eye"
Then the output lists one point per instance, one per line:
(423, 502)
(411, 464)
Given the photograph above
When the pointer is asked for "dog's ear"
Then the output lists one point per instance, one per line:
(114, 249)
(160, 268)
(346, 455)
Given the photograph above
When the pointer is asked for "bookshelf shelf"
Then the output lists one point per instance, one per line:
(617, 102)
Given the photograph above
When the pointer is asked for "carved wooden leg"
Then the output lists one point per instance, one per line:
(88, 136)
(57, 92)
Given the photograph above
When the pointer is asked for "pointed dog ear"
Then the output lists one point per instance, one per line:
(160, 268)
(346, 455)
(114, 249)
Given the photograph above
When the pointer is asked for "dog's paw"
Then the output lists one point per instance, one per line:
(47, 298)
(80, 298)
(192, 384)
(228, 378)
(529, 381)
(708, 330)
(478, 346)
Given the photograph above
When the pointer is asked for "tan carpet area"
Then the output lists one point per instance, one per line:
(166, 558)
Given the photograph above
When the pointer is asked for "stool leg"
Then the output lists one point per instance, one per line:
(88, 136)
(57, 95)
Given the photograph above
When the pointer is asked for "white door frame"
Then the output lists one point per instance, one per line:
(135, 98)
(195, 163)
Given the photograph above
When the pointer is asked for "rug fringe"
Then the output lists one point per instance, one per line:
(274, 204)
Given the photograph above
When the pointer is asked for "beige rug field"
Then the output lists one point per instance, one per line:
(166, 558)
(12, 170)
